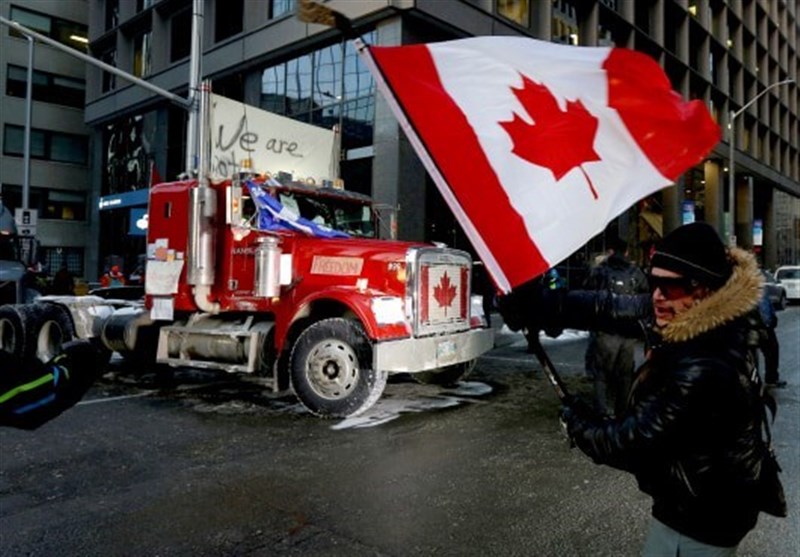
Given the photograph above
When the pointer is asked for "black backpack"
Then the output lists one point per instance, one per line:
(771, 497)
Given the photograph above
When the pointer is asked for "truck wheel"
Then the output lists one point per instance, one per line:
(330, 369)
(12, 330)
(52, 328)
(446, 376)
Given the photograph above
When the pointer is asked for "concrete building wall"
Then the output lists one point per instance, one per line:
(722, 53)
(54, 234)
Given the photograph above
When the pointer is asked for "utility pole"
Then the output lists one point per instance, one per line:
(732, 166)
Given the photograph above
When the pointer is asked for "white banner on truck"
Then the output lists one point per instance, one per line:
(273, 143)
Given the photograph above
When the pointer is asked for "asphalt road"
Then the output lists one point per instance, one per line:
(211, 465)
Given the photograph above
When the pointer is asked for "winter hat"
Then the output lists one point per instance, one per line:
(695, 251)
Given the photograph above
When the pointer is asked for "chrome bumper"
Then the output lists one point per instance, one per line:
(411, 355)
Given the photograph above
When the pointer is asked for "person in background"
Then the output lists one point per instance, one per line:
(64, 282)
(113, 277)
(768, 343)
(609, 357)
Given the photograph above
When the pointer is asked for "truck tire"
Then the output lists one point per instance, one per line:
(446, 376)
(14, 322)
(51, 328)
(331, 369)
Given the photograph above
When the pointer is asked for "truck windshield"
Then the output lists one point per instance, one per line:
(345, 212)
(345, 215)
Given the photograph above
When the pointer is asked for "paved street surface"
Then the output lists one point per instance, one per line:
(213, 465)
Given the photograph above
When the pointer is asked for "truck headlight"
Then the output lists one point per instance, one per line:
(388, 310)
(476, 310)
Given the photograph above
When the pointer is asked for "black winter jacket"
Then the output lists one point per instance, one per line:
(691, 432)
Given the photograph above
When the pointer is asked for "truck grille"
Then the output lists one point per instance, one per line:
(439, 289)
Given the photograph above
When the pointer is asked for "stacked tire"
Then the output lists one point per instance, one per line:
(35, 331)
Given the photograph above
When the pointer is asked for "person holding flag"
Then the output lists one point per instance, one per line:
(691, 432)
(536, 147)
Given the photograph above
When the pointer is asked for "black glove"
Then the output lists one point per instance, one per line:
(576, 408)
(532, 306)
(576, 414)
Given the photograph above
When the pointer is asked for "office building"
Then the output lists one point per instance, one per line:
(55, 188)
(724, 53)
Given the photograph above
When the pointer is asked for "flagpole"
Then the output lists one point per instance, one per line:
(549, 370)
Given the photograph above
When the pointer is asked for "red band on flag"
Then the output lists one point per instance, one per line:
(453, 145)
(674, 134)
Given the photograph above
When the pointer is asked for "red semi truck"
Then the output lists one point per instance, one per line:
(328, 317)
(298, 290)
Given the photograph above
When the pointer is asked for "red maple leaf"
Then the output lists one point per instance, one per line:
(444, 292)
(558, 139)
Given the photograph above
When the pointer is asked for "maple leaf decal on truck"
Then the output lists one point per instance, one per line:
(558, 139)
(444, 292)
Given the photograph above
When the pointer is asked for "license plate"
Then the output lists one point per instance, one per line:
(445, 350)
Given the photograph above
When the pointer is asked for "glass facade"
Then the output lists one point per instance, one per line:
(321, 89)
(128, 154)
(721, 53)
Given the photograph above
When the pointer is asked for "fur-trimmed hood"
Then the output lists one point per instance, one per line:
(738, 296)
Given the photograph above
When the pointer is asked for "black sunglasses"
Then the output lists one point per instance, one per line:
(672, 287)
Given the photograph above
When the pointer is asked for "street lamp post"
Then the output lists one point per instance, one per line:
(731, 163)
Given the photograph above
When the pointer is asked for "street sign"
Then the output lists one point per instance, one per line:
(26, 217)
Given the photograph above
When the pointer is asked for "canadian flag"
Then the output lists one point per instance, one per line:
(537, 146)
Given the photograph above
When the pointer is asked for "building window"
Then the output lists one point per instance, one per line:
(282, 7)
(142, 54)
(112, 14)
(316, 88)
(228, 19)
(565, 22)
(56, 257)
(109, 79)
(516, 10)
(66, 32)
(14, 142)
(47, 87)
(46, 145)
(50, 203)
(142, 5)
(180, 37)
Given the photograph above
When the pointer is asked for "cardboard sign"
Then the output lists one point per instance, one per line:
(273, 143)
